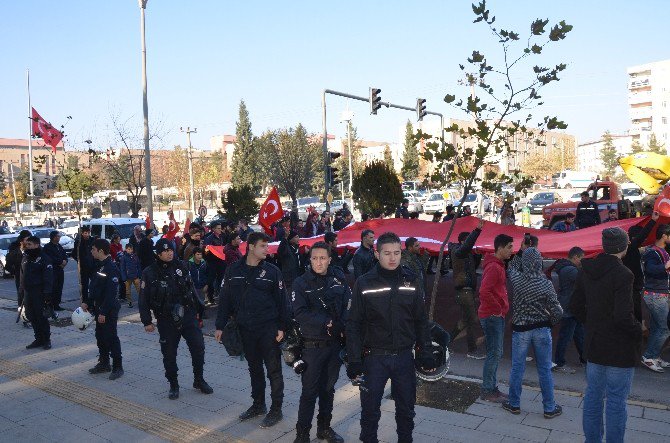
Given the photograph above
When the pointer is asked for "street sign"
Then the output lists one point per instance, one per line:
(202, 211)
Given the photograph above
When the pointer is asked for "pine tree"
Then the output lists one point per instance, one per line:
(636, 147)
(655, 146)
(609, 155)
(377, 190)
(410, 158)
(246, 163)
(388, 158)
(342, 163)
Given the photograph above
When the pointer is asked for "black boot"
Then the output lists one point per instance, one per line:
(35, 344)
(301, 434)
(101, 367)
(202, 386)
(117, 370)
(274, 416)
(174, 390)
(46, 345)
(325, 432)
(254, 411)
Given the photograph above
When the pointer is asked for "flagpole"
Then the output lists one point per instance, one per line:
(30, 147)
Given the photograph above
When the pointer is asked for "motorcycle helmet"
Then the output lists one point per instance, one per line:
(81, 319)
(439, 349)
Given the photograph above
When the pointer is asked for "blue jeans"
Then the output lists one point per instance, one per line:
(658, 323)
(540, 339)
(494, 331)
(613, 383)
(570, 329)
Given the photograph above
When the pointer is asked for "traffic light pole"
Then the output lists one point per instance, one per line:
(363, 99)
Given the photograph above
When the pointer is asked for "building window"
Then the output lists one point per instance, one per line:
(664, 120)
(53, 165)
(664, 104)
(23, 160)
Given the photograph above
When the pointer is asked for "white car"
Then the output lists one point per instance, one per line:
(577, 197)
(435, 203)
(66, 241)
(70, 227)
(414, 204)
(5, 241)
(476, 200)
(106, 227)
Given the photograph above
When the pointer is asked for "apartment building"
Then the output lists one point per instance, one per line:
(648, 99)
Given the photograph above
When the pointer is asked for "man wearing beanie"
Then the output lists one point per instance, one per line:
(603, 302)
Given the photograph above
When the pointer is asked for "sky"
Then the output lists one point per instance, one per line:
(204, 56)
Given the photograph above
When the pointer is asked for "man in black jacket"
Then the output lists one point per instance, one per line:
(364, 258)
(588, 213)
(58, 257)
(319, 299)
(145, 249)
(102, 300)
(291, 260)
(82, 254)
(35, 288)
(402, 211)
(602, 301)
(336, 260)
(387, 319)
(253, 293)
(14, 259)
(633, 260)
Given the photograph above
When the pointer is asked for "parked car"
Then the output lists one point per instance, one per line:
(435, 203)
(542, 199)
(70, 227)
(5, 241)
(66, 241)
(576, 197)
(414, 204)
(478, 200)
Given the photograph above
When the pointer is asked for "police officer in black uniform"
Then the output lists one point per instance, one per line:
(59, 260)
(387, 319)
(253, 292)
(319, 300)
(35, 289)
(168, 291)
(103, 302)
(82, 254)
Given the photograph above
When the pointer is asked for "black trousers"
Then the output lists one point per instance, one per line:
(34, 305)
(261, 347)
(17, 282)
(170, 336)
(378, 370)
(318, 380)
(107, 338)
(85, 279)
(59, 279)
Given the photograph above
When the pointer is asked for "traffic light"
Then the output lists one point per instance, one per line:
(375, 100)
(333, 179)
(420, 108)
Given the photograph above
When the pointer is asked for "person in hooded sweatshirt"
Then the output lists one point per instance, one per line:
(567, 270)
(603, 302)
(535, 308)
(633, 260)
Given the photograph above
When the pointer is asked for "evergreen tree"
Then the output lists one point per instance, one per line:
(636, 147)
(655, 146)
(609, 155)
(245, 164)
(377, 190)
(410, 159)
(388, 158)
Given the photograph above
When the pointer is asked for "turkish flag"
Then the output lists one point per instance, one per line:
(271, 210)
(147, 222)
(44, 130)
(662, 204)
(173, 226)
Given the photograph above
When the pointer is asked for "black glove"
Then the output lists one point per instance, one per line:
(426, 362)
(354, 369)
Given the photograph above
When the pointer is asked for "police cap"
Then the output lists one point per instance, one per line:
(163, 245)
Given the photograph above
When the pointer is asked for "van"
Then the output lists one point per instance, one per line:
(106, 227)
(573, 179)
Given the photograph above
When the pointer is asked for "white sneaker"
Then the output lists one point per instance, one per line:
(652, 364)
(662, 363)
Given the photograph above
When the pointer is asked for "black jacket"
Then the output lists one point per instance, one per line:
(341, 261)
(567, 276)
(292, 262)
(56, 253)
(317, 300)
(587, 215)
(364, 259)
(463, 261)
(82, 253)
(36, 277)
(387, 312)
(14, 258)
(401, 212)
(165, 284)
(254, 295)
(145, 252)
(103, 292)
(603, 302)
(633, 259)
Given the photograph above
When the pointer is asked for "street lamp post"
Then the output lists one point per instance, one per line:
(346, 117)
(189, 154)
(145, 109)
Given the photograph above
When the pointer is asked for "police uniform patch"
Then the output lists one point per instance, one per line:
(281, 285)
(178, 272)
(293, 296)
(263, 274)
(407, 284)
(115, 280)
(337, 281)
(49, 267)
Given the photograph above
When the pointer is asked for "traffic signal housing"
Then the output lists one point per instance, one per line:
(333, 178)
(375, 100)
(420, 108)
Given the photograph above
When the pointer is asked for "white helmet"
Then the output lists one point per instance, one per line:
(24, 317)
(81, 319)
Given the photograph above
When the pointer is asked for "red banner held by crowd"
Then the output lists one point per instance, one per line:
(45, 131)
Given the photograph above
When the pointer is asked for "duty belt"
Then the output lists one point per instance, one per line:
(318, 343)
(373, 351)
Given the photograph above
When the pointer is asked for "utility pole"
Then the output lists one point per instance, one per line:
(31, 181)
(145, 111)
(189, 154)
(16, 201)
(346, 117)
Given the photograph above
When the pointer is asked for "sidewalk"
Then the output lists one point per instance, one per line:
(50, 396)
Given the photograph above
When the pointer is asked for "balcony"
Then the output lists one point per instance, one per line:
(639, 97)
(638, 82)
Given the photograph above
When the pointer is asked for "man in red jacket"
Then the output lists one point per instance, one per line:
(493, 306)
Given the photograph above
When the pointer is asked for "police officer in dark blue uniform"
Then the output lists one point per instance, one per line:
(168, 291)
(35, 288)
(253, 292)
(59, 260)
(319, 300)
(387, 319)
(102, 300)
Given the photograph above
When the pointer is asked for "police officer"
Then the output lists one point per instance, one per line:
(253, 292)
(82, 254)
(387, 319)
(319, 299)
(168, 291)
(35, 289)
(59, 260)
(364, 258)
(102, 300)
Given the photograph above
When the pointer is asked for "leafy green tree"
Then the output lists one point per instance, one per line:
(471, 152)
(636, 147)
(245, 164)
(240, 202)
(655, 146)
(609, 155)
(388, 157)
(410, 158)
(377, 189)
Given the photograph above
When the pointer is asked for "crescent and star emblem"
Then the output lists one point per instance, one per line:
(273, 203)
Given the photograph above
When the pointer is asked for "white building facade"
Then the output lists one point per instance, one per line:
(588, 154)
(648, 101)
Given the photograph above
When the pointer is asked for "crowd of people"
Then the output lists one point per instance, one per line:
(380, 319)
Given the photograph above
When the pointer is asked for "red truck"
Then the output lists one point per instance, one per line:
(606, 194)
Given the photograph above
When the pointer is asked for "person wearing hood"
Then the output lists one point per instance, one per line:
(145, 250)
(493, 307)
(603, 302)
(535, 308)
(35, 289)
(137, 237)
(199, 271)
(567, 270)
(633, 260)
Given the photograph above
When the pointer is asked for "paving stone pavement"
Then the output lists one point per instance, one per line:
(28, 413)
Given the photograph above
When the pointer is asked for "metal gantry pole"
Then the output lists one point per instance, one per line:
(31, 180)
(325, 151)
(190, 165)
(145, 111)
(351, 178)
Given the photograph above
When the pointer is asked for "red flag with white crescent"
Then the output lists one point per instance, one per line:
(44, 130)
(271, 210)
(662, 204)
